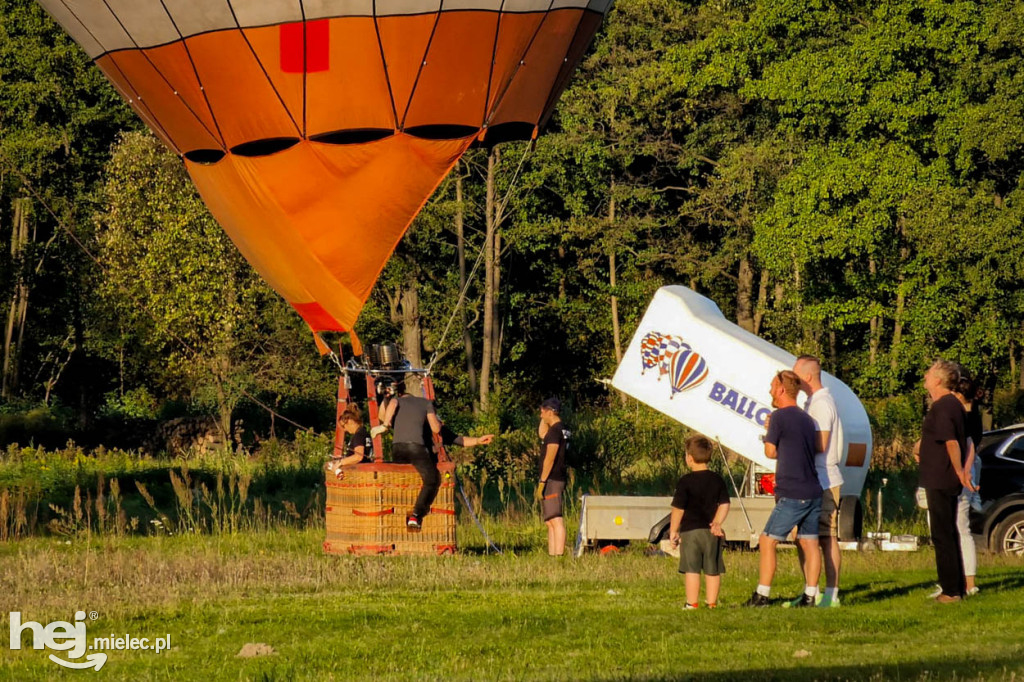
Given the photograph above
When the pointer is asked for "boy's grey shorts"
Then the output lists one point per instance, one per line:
(701, 552)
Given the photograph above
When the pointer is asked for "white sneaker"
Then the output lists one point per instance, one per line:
(936, 592)
(973, 591)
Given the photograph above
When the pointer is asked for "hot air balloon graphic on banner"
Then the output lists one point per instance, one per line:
(688, 370)
(670, 345)
(650, 351)
(674, 357)
(315, 130)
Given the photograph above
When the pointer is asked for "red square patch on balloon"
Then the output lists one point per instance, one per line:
(315, 37)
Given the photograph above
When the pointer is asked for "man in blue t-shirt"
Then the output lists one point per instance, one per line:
(791, 441)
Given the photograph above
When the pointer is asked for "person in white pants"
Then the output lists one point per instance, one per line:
(966, 393)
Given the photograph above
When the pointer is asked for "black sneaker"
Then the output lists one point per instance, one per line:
(758, 600)
(801, 602)
(413, 522)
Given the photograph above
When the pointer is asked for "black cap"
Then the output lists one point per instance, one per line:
(553, 404)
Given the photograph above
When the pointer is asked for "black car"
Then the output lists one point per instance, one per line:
(1001, 519)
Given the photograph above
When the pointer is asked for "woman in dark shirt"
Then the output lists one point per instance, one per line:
(941, 455)
(359, 448)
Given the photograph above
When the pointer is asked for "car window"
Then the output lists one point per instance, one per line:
(1016, 450)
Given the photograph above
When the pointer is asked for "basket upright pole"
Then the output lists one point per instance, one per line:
(343, 400)
(428, 393)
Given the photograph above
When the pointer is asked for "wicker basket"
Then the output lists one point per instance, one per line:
(366, 512)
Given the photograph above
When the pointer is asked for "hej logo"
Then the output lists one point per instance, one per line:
(58, 636)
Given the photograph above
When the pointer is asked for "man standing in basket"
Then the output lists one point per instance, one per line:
(552, 473)
(415, 421)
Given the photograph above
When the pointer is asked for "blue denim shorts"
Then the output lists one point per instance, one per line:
(803, 514)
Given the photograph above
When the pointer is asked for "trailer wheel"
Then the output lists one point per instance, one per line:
(851, 519)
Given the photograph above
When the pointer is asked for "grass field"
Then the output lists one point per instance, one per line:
(521, 616)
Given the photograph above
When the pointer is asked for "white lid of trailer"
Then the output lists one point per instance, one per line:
(688, 361)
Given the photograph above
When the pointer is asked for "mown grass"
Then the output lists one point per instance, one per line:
(518, 616)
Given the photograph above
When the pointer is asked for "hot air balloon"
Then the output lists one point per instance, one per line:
(315, 130)
(670, 345)
(650, 350)
(689, 369)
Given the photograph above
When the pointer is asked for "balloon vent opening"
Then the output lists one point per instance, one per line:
(353, 136)
(271, 145)
(442, 132)
(507, 132)
(205, 157)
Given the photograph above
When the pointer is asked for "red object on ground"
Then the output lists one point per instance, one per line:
(609, 549)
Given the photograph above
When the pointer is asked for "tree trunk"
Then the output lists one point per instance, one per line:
(14, 332)
(612, 274)
(876, 326)
(490, 323)
(744, 294)
(832, 352)
(762, 301)
(1020, 365)
(467, 338)
(901, 298)
(616, 333)
(405, 310)
(498, 326)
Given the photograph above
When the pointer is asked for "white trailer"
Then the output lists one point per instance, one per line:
(691, 363)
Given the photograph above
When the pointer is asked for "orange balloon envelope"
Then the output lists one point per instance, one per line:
(315, 130)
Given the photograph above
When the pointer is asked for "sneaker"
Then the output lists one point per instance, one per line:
(936, 592)
(711, 605)
(758, 600)
(828, 602)
(689, 607)
(803, 601)
(973, 591)
(413, 522)
(947, 599)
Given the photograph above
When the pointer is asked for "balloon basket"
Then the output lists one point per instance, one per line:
(366, 512)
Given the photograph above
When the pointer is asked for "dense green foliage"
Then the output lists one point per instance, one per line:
(842, 178)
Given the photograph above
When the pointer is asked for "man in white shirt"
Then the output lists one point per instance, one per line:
(822, 408)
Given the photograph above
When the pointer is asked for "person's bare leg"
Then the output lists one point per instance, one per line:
(692, 588)
(832, 559)
(812, 560)
(971, 582)
(556, 544)
(712, 583)
(801, 556)
(766, 560)
(551, 535)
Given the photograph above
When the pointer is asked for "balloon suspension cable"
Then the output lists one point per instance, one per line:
(184, 344)
(472, 514)
(479, 259)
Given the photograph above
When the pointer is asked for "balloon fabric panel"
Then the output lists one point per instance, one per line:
(316, 142)
(310, 218)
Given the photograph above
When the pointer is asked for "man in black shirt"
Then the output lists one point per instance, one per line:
(792, 440)
(552, 473)
(414, 420)
(943, 442)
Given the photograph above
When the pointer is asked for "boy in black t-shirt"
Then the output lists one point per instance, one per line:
(699, 508)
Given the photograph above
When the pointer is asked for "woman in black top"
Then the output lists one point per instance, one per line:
(941, 455)
(359, 448)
